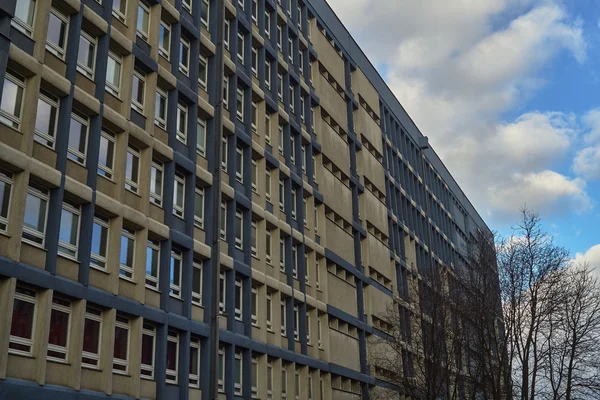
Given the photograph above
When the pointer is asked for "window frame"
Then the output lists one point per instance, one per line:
(159, 121)
(107, 172)
(240, 96)
(254, 176)
(254, 239)
(269, 247)
(239, 299)
(6, 178)
(239, 233)
(179, 210)
(201, 144)
(119, 323)
(77, 156)
(239, 167)
(53, 102)
(131, 185)
(23, 26)
(127, 271)
(223, 222)
(172, 376)
(157, 198)
(183, 68)
(268, 183)
(269, 312)
(254, 303)
(203, 78)
(75, 210)
(55, 48)
(241, 44)
(5, 116)
(162, 51)
(194, 378)
(144, 35)
(118, 14)
(135, 104)
(44, 195)
(197, 296)
(199, 219)
(108, 86)
(175, 287)
(150, 331)
(92, 314)
(24, 294)
(151, 281)
(182, 113)
(238, 386)
(205, 22)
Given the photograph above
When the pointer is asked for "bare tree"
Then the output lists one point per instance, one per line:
(529, 263)
(478, 298)
(572, 367)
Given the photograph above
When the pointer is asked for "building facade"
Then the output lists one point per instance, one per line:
(331, 201)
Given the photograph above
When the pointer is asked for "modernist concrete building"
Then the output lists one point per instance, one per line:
(331, 201)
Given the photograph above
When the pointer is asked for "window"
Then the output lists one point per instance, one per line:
(289, 8)
(187, 5)
(179, 195)
(113, 73)
(255, 11)
(119, 9)
(172, 357)
(301, 111)
(267, 24)
(152, 263)
(203, 73)
(199, 207)
(268, 74)
(78, 133)
(268, 247)
(239, 230)
(254, 244)
(59, 330)
(290, 50)
(226, 34)
(279, 37)
(292, 98)
(301, 64)
(127, 253)
(204, 13)
(182, 113)
(148, 340)
(314, 160)
(255, 377)
(310, 386)
(194, 363)
(86, 55)
(132, 169)
(295, 261)
(307, 327)
(175, 274)
(237, 387)
(254, 62)
(143, 20)
(281, 255)
(283, 381)
(223, 221)
(24, 16)
(297, 382)
(296, 323)
(45, 122)
(306, 268)
(269, 380)
(222, 293)
(319, 332)
(160, 109)
(106, 155)
(138, 90)
(156, 182)
(238, 299)
(254, 117)
(68, 236)
(305, 213)
(268, 185)
(240, 104)
(292, 149)
(121, 348)
(254, 305)
(280, 141)
(240, 48)
(268, 129)
(254, 176)
(197, 282)
(226, 91)
(12, 101)
(56, 40)
(201, 137)
(294, 201)
(304, 158)
(281, 197)
(239, 166)
(6, 184)
(280, 87)
(36, 210)
(269, 312)
(184, 56)
(164, 39)
(92, 332)
(316, 220)
(299, 19)
(318, 274)
(23, 321)
(221, 378)
(283, 318)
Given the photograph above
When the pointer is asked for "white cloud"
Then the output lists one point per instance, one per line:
(592, 256)
(587, 163)
(456, 67)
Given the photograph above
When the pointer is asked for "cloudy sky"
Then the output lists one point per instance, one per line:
(508, 92)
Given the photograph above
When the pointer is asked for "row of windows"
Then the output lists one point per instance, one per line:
(23, 328)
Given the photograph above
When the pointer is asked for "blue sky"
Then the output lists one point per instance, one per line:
(507, 91)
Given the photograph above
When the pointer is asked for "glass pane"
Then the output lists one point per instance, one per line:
(68, 227)
(199, 205)
(121, 339)
(171, 355)
(59, 328)
(161, 106)
(113, 72)
(156, 181)
(137, 90)
(126, 251)
(194, 358)
(142, 20)
(151, 262)
(56, 31)
(175, 271)
(77, 136)
(238, 371)
(11, 98)
(147, 349)
(45, 118)
(35, 213)
(91, 336)
(4, 198)
(197, 280)
(99, 239)
(106, 153)
(85, 55)
(131, 168)
(178, 194)
(25, 10)
(22, 319)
